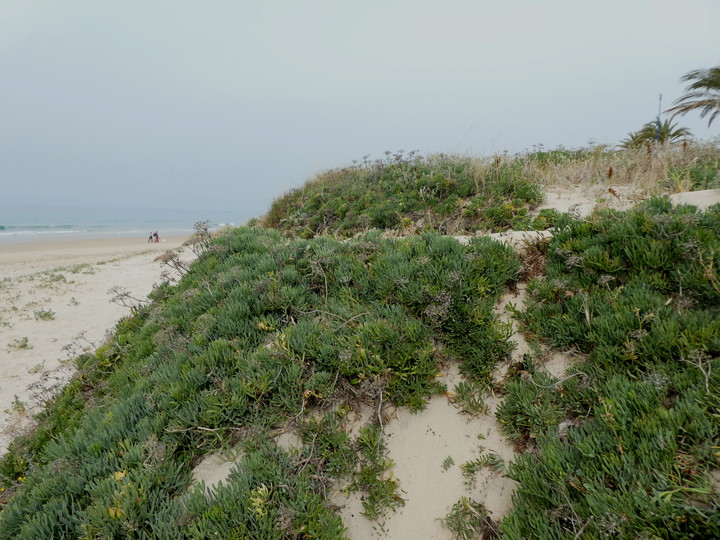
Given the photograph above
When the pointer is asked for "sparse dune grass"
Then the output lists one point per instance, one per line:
(649, 170)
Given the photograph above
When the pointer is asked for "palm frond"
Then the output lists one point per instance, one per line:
(702, 94)
(668, 132)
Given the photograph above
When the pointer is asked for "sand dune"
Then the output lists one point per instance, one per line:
(51, 293)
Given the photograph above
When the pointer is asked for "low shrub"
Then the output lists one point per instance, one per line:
(637, 292)
(450, 194)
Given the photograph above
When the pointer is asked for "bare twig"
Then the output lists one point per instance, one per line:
(123, 297)
(700, 360)
(558, 383)
(345, 321)
(307, 459)
(353, 318)
(200, 428)
(199, 242)
(582, 529)
(172, 260)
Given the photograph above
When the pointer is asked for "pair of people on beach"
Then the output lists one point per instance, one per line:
(154, 237)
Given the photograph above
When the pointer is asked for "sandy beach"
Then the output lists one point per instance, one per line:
(55, 303)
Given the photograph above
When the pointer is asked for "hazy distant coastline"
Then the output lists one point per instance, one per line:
(25, 223)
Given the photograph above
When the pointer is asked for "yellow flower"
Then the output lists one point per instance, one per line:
(258, 499)
(262, 325)
(119, 475)
(116, 512)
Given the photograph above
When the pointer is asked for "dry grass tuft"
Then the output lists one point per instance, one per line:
(533, 257)
(651, 170)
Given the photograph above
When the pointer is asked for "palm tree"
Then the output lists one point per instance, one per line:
(703, 94)
(669, 132)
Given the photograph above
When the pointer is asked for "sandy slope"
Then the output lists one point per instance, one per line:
(428, 449)
(54, 303)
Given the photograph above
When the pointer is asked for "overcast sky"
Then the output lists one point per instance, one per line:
(227, 104)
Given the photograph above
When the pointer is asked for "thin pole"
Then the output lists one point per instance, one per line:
(657, 131)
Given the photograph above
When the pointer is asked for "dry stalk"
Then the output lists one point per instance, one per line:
(702, 362)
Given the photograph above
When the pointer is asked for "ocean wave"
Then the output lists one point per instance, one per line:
(35, 227)
(6, 233)
(31, 224)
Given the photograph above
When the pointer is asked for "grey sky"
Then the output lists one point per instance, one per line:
(226, 104)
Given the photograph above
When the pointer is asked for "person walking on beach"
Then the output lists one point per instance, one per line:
(157, 238)
(150, 238)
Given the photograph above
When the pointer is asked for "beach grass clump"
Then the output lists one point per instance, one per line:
(44, 314)
(469, 519)
(626, 444)
(380, 489)
(468, 397)
(21, 344)
(530, 408)
(469, 469)
(696, 176)
(647, 170)
(261, 331)
(328, 446)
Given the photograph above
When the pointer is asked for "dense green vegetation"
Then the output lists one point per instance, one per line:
(638, 293)
(458, 195)
(262, 332)
(450, 194)
(296, 327)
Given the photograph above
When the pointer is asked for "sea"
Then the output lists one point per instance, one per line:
(26, 223)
